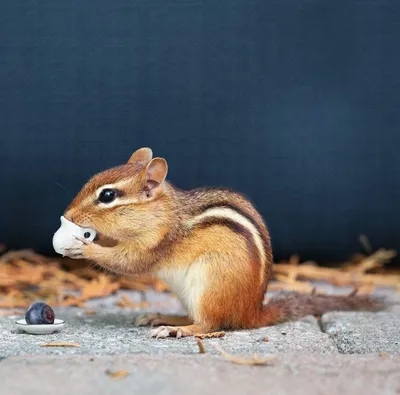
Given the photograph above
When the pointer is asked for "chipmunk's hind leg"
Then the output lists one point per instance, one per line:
(157, 319)
(177, 331)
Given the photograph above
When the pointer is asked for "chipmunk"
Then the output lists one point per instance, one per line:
(210, 246)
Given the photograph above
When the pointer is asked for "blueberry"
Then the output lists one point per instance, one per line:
(39, 313)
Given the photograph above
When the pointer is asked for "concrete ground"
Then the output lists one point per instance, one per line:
(197, 374)
(350, 353)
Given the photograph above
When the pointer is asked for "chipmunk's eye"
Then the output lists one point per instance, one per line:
(107, 195)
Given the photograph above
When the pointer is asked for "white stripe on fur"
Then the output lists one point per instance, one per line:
(226, 212)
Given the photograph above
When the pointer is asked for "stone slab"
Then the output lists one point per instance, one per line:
(171, 374)
(363, 333)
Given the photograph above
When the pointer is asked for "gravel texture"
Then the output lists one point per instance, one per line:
(113, 334)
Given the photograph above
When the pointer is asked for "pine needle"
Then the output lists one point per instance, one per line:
(254, 360)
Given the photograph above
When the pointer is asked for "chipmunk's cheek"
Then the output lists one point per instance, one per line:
(67, 236)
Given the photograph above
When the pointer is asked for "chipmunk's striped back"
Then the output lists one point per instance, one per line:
(226, 208)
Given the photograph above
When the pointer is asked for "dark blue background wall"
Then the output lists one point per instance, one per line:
(294, 103)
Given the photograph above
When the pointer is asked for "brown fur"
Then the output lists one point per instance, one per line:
(154, 232)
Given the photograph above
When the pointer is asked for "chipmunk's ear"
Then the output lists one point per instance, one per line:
(156, 171)
(141, 156)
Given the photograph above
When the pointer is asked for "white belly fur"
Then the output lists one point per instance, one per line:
(187, 284)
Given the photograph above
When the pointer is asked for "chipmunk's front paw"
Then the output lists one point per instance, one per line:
(83, 249)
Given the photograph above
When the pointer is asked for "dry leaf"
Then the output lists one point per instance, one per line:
(99, 287)
(14, 298)
(117, 374)
(60, 344)
(126, 302)
(343, 276)
(90, 312)
(376, 260)
(383, 354)
(210, 335)
(255, 360)
(70, 300)
(202, 350)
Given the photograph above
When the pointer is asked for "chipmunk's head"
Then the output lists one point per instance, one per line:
(125, 201)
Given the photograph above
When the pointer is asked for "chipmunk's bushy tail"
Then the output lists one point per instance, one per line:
(294, 305)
